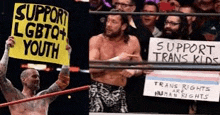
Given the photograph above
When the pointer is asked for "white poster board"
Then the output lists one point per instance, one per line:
(184, 51)
(189, 85)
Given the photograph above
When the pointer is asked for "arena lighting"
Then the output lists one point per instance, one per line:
(69, 96)
(75, 69)
(44, 67)
(41, 67)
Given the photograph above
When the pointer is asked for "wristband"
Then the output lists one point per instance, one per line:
(115, 59)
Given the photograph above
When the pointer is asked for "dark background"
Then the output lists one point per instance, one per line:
(78, 27)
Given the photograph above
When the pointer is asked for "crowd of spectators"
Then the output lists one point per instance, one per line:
(205, 25)
(201, 28)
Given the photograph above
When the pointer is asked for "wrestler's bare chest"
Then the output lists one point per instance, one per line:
(37, 107)
(110, 49)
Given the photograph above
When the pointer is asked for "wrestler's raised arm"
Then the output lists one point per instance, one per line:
(9, 91)
(62, 82)
(9, 43)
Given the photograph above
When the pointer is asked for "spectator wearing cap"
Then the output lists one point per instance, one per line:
(217, 10)
(166, 6)
(169, 5)
(210, 29)
(210, 26)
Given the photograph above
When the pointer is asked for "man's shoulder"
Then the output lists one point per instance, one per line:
(96, 41)
(97, 37)
(133, 38)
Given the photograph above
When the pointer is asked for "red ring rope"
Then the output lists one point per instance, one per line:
(86, 87)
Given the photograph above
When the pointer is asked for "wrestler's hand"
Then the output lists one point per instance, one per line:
(9, 42)
(125, 56)
(128, 72)
(68, 47)
(147, 71)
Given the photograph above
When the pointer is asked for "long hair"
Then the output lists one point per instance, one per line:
(183, 29)
(124, 20)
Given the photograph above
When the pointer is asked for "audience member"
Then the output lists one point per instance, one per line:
(97, 20)
(147, 28)
(217, 6)
(98, 5)
(175, 27)
(149, 21)
(210, 29)
(166, 6)
(128, 6)
(194, 33)
(205, 6)
(210, 25)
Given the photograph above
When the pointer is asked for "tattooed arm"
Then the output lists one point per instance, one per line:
(63, 78)
(9, 91)
(9, 43)
(62, 81)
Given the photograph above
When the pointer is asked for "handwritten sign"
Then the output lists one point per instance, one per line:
(184, 51)
(183, 85)
(189, 85)
(40, 33)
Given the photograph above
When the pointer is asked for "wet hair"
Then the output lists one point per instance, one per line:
(124, 20)
(183, 29)
(151, 3)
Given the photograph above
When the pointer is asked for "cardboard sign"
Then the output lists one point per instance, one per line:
(190, 85)
(184, 51)
(40, 33)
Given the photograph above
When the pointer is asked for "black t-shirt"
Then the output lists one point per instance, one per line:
(97, 22)
(144, 35)
(196, 35)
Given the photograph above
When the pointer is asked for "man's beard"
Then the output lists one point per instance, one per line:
(113, 34)
(34, 86)
(172, 35)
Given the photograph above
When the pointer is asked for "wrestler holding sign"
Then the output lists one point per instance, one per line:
(30, 79)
